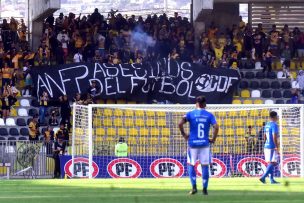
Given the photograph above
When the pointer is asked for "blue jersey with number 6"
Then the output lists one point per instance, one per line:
(200, 121)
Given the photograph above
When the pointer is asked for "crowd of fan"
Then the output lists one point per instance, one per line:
(124, 39)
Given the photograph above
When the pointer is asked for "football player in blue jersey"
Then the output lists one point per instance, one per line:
(200, 121)
(271, 134)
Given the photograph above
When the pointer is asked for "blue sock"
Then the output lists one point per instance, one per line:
(205, 170)
(269, 170)
(271, 174)
(192, 175)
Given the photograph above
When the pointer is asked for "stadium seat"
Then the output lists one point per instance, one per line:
(107, 122)
(254, 113)
(2, 122)
(271, 75)
(2, 139)
(111, 132)
(247, 101)
(143, 132)
(78, 131)
(10, 122)
(143, 140)
(286, 85)
(154, 140)
(108, 112)
(25, 103)
(154, 132)
(128, 122)
(13, 132)
(3, 132)
(229, 132)
(277, 94)
(164, 140)
(293, 74)
(17, 103)
(121, 101)
(292, 65)
(284, 122)
(139, 122)
(249, 122)
(278, 65)
(269, 101)
(110, 101)
(236, 101)
(35, 103)
(150, 122)
(265, 112)
(239, 122)
(129, 113)
(259, 122)
(13, 112)
(132, 140)
(260, 75)
(285, 132)
(165, 132)
(22, 138)
(249, 75)
(150, 113)
(161, 113)
(161, 122)
(240, 132)
(280, 101)
(243, 113)
(256, 94)
(122, 131)
(295, 84)
(228, 122)
(275, 85)
(11, 139)
(287, 94)
(118, 112)
(294, 131)
(33, 112)
(244, 85)
(100, 132)
(222, 114)
(266, 94)
(96, 123)
(219, 121)
(258, 101)
(133, 132)
(139, 113)
(245, 93)
(22, 112)
(232, 114)
(265, 85)
(254, 85)
(117, 122)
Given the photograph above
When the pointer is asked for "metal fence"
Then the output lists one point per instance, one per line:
(27, 159)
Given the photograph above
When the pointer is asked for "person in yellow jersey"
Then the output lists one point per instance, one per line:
(121, 148)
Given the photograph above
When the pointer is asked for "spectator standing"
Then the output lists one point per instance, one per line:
(65, 108)
(48, 139)
(250, 140)
(44, 99)
(27, 91)
(34, 129)
(53, 121)
(78, 57)
(7, 99)
(58, 150)
(93, 90)
(121, 148)
(63, 132)
(295, 96)
(64, 39)
(260, 141)
(6, 75)
(300, 80)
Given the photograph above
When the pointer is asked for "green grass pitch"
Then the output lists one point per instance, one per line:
(235, 190)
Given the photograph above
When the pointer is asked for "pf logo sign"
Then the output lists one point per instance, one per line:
(252, 166)
(81, 168)
(124, 168)
(166, 168)
(217, 168)
(291, 167)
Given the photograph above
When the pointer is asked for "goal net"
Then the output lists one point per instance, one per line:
(157, 149)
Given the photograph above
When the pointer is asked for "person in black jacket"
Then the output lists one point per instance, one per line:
(58, 150)
(65, 108)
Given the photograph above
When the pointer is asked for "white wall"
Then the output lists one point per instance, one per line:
(39, 7)
(199, 5)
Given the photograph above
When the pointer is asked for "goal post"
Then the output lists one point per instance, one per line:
(155, 144)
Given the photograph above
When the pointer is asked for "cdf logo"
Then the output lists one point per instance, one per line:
(81, 168)
(217, 168)
(291, 167)
(124, 168)
(166, 168)
(252, 166)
